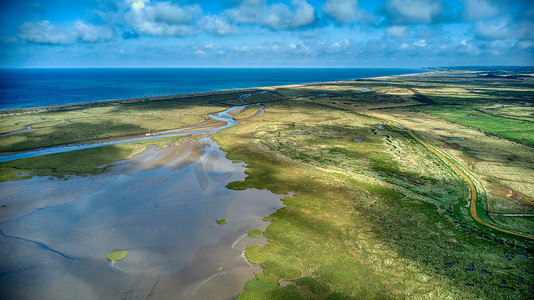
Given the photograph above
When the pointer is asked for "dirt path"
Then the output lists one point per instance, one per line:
(473, 204)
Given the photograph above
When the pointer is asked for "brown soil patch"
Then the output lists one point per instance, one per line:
(508, 193)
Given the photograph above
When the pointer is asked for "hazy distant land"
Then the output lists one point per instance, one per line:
(412, 186)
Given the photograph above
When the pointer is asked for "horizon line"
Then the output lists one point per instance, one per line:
(266, 67)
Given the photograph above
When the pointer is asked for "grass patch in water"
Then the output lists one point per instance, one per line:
(255, 232)
(117, 255)
(221, 221)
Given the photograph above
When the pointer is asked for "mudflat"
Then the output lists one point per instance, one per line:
(160, 206)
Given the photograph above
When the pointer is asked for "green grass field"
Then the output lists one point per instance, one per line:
(519, 130)
(373, 214)
(355, 220)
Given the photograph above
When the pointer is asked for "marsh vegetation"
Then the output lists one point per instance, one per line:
(373, 213)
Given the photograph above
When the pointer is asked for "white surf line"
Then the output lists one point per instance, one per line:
(243, 256)
(237, 241)
(117, 267)
(201, 283)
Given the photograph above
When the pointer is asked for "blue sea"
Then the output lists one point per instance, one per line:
(21, 88)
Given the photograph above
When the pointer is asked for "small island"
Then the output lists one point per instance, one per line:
(255, 233)
(117, 255)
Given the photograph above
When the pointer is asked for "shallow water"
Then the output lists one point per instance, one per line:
(160, 206)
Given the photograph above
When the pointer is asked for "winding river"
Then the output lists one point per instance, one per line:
(222, 116)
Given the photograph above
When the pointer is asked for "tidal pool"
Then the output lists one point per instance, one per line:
(161, 207)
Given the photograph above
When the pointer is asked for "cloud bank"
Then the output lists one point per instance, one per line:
(264, 32)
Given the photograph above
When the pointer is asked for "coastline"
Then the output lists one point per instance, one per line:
(78, 105)
(284, 151)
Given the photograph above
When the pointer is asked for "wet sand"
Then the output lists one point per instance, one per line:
(160, 206)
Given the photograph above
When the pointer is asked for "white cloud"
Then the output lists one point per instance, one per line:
(469, 48)
(299, 47)
(137, 4)
(499, 47)
(217, 25)
(201, 53)
(478, 9)
(91, 33)
(493, 30)
(277, 16)
(525, 44)
(525, 30)
(242, 49)
(334, 47)
(304, 13)
(404, 46)
(397, 31)
(413, 11)
(44, 32)
(420, 43)
(162, 18)
(209, 46)
(342, 11)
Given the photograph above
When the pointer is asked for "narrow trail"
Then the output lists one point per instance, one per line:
(474, 195)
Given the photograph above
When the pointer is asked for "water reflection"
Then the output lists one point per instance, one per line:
(160, 206)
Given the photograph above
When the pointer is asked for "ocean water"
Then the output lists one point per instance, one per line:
(42, 87)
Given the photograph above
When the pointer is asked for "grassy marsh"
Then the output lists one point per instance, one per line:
(103, 120)
(353, 203)
(81, 162)
(373, 213)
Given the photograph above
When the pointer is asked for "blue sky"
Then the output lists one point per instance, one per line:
(264, 33)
